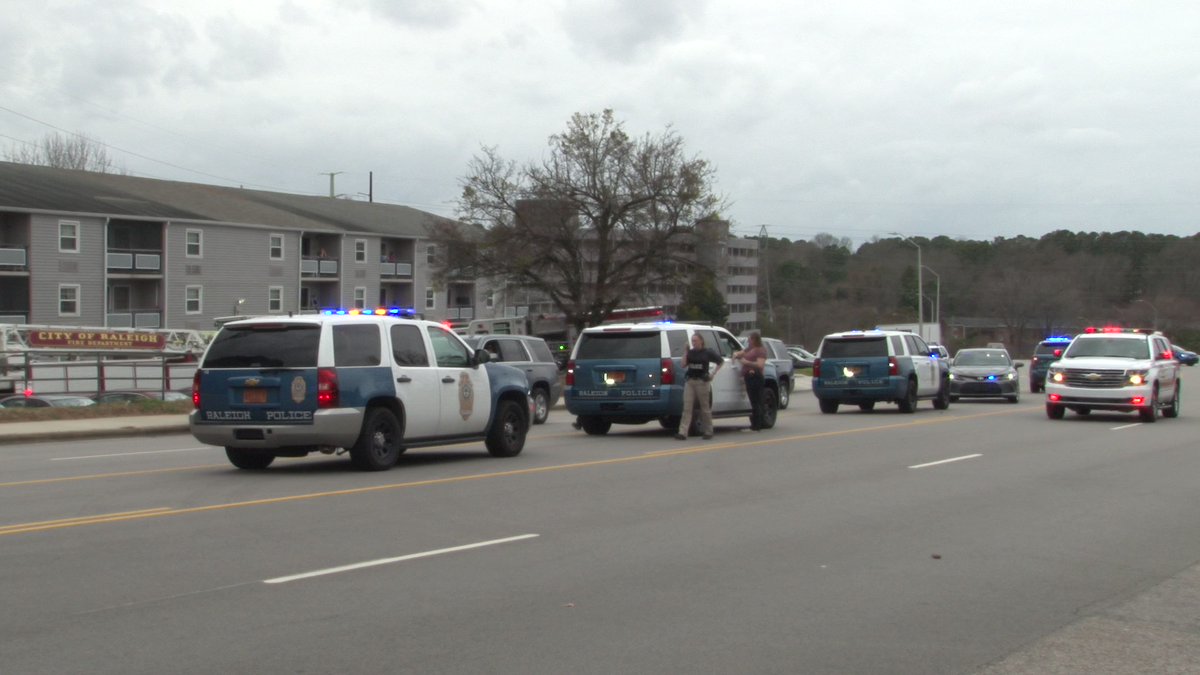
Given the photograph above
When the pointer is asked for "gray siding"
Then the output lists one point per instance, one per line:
(48, 268)
(235, 263)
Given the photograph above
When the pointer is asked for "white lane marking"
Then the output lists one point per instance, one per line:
(389, 561)
(1126, 426)
(126, 454)
(946, 461)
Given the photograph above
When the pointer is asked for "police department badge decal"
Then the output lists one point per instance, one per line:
(298, 389)
(466, 396)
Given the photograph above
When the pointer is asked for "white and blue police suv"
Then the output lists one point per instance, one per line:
(370, 382)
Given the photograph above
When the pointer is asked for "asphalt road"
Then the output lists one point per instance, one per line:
(939, 542)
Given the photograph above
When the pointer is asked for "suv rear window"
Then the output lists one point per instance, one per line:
(1047, 348)
(853, 348)
(541, 351)
(619, 346)
(265, 346)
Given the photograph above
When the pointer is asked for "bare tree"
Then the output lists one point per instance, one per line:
(64, 151)
(600, 219)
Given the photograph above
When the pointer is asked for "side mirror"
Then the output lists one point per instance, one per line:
(482, 356)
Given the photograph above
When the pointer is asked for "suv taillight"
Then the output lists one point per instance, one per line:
(196, 390)
(570, 374)
(668, 372)
(893, 367)
(816, 368)
(327, 388)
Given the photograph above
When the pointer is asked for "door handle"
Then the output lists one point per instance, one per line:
(404, 379)
(448, 380)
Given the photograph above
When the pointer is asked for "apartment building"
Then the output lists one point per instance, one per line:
(88, 249)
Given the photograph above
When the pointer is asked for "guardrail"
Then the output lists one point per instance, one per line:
(79, 376)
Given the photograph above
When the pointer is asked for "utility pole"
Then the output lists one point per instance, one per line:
(331, 174)
(762, 265)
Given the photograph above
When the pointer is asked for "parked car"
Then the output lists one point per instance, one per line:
(118, 397)
(46, 401)
(862, 368)
(531, 355)
(984, 373)
(940, 351)
(631, 374)
(801, 357)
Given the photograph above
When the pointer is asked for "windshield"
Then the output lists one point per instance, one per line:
(984, 357)
(1112, 347)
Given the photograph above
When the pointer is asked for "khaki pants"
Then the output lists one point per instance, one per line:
(696, 391)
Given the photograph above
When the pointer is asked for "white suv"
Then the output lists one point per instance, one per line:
(1115, 369)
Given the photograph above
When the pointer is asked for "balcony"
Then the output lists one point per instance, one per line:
(9, 316)
(395, 270)
(141, 318)
(13, 258)
(460, 312)
(135, 261)
(319, 267)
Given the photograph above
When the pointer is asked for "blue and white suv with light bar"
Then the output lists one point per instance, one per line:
(367, 381)
(1128, 370)
(631, 374)
(865, 367)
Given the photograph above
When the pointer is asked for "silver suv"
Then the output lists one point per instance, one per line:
(1119, 369)
(532, 355)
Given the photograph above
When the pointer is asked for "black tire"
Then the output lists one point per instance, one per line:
(828, 405)
(541, 405)
(254, 460)
(770, 407)
(866, 406)
(954, 399)
(594, 426)
(378, 444)
(785, 394)
(1013, 399)
(506, 438)
(1083, 410)
(908, 404)
(942, 401)
(1149, 414)
(1172, 411)
(670, 423)
(1055, 411)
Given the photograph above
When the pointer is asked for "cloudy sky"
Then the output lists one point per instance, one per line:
(857, 118)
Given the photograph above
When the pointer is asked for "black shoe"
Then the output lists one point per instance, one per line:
(680, 437)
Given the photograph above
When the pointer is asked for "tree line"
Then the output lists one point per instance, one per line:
(1020, 289)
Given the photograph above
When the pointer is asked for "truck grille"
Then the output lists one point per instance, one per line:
(1096, 379)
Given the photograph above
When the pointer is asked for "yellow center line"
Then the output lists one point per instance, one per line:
(121, 474)
(156, 513)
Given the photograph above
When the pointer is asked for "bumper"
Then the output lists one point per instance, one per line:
(1125, 398)
(984, 389)
(338, 427)
(855, 391)
(669, 401)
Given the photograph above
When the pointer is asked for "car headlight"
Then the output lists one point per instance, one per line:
(1137, 377)
(1056, 376)
(952, 376)
(1012, 375)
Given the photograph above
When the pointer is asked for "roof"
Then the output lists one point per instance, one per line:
(25, 188)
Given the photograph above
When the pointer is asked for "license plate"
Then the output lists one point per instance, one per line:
(254, 395)
(613, 378)
(851, 371)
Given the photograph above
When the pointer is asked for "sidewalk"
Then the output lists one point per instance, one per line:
(99, 427)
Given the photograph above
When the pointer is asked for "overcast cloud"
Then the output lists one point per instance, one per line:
(857, 118)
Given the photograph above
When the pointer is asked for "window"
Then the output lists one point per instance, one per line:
(430, 253)
(275, 299)
(360, 250)
(490, 300)
(192, 299)
(449, 351)
(430, 300)
(265, 346)
(408, 349)
(275, 247)
(68, 236)
(68, 300)
(192, 243)
(360, 297)
(356, 345)
(512, 350)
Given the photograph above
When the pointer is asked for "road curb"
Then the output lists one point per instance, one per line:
(80, 434)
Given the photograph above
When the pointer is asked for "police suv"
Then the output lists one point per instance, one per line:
(862, 368)
(368, 381)
(1111, 368)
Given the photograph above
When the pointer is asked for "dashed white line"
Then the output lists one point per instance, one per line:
(126, 454)
(389, 561)
(946, 461)
(1126, 426)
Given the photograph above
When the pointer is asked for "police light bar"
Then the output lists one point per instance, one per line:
(1115, 329)
(406, 312)
(1058, 338)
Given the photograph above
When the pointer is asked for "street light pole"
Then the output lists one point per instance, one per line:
(920, 288)
(1155, 325)
(937, 316)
